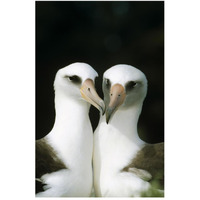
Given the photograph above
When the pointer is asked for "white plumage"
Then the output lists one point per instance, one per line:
(69, 146)
(116, 140)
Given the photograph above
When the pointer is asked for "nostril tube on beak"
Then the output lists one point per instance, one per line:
(117, 96)
(90, 95)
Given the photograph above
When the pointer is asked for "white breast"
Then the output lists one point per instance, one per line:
(112, 152)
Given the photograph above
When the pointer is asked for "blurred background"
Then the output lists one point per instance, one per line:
(101, 34)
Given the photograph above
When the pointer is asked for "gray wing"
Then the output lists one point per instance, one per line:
(151, 159)
(46, 161)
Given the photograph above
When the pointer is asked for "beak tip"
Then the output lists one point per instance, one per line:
(102, 107)
(107, 118)
(109, 113)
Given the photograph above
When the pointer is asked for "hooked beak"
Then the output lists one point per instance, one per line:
(117, 96)
(89, 94)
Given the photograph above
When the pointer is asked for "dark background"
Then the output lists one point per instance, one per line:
(101, 34)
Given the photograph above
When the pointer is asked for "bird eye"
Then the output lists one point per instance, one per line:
(107, 83)
(74, 79)
(130, 85)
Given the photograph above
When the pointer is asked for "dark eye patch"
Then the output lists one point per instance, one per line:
(75, 79)
(130, 85)
(107, 83)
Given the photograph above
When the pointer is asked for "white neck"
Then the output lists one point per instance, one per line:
(126, 120)
(117, 142)
(72, 135)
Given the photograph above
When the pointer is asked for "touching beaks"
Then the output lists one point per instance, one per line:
(88, 92)
(117, 96)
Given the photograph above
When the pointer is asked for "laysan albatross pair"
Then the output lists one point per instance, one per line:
(64, 156)
(124, 165)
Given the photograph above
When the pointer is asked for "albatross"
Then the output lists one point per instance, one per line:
(64, 156)
(125, 165)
